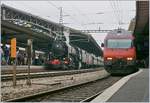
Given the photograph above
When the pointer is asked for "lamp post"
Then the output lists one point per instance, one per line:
(29, 53)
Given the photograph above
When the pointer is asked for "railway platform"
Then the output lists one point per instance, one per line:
(8, 69)
(20, 66)
(132, 88)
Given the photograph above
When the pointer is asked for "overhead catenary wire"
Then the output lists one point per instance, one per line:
(120, 12)
(89, 19)
(113, 10)
(117, 12)
(63, 12)
(81, 15)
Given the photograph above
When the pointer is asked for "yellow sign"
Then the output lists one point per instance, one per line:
(13, 47)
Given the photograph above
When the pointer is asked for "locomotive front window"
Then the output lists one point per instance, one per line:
(119, 43)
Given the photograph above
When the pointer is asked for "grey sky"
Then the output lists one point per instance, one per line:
(82, 14)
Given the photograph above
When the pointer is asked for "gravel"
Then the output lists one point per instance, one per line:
(43, 84)
(79, 93)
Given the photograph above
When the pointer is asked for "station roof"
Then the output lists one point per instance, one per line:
(42, 41)
(10, 30)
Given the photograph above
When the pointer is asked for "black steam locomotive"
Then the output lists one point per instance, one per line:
(70, 57)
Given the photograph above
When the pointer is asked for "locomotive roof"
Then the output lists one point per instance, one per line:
(119, 34)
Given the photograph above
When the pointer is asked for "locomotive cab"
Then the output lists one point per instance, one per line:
(119, 52)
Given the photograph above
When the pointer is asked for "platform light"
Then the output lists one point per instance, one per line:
(129, 58)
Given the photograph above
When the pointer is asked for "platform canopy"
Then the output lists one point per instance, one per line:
(23, 26)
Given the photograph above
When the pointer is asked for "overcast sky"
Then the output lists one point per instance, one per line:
(82, 14)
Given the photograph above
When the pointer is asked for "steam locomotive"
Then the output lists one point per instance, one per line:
(63, 56)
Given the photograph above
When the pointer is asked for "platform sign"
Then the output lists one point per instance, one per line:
(13, 47)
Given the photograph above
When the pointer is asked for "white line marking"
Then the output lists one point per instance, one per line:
(114, 88)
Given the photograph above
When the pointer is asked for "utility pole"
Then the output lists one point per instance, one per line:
(99, 28)
(61, 22)
(61, 16)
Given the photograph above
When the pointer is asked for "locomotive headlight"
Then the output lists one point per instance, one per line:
(129, 58)
(109, 58)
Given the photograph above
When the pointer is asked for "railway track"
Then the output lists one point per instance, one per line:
(22, 69)
(7, 77)
(5, 70)
(75, 93)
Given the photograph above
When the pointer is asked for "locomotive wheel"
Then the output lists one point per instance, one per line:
(72, 63)
(64, 67)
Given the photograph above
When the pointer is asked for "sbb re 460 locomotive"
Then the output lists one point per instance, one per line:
(119, 52)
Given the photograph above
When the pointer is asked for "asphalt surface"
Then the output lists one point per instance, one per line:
(135, 90)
